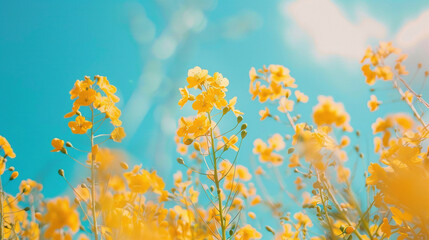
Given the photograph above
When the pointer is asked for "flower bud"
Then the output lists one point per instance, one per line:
(349, 230)
(61, 172)
(68, 144)
(244, 126)
(11, 169)
(239, 119)
(225, 110)
(14, 175)
(124, 165)
(243, 134)
(63, 150)
(180, 160)
(270, 229)
(290, 150)
(38, 216)
(188, 141)
(26, 209)
(197, 146)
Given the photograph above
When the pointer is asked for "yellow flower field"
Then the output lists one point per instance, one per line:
(214, 120)
(214, 195)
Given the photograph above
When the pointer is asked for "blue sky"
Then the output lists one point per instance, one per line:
(145, 48)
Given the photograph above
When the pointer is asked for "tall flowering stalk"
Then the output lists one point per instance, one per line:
(99, 97)
(314, 154)
(204, 133)
(399, 181)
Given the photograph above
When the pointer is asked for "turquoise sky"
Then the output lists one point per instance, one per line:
(145, 49)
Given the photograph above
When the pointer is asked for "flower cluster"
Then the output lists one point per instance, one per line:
(211, 147)
(274, 84)
(97, 94)
(116, 201)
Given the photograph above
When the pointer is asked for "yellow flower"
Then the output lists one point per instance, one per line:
(60, 214)
(285, 105)
(230, 143)
(243, 173)
(86, 97)
(264, 113)
(371, 56)
(252, 75)
(247, 232)
(328, 112)
(303, 220)
(28, 185)
(386, 227)
(14, 175)
(58, 145)
(219, 81)
(301, 97)
(287, 232)
(369, 74)
(80, 86)
(80, 125)
(280, 74)
(408, 96)
(138, 181)
(259, 171)
(107, 88)
(196, 77)
(294, 161)
(8, 151)
(184, 125)
(200, 126)
(82, 193)
(185, 97)
(400, 216)
(231, 106)
(256, 200)
(384, 72)
(401, 69)
(377, 173)
(182, 149)
(74, 111)
(202, 103)
(216, 97)
(252, 215)
(118, 134)
(373, 103)
(276, 142)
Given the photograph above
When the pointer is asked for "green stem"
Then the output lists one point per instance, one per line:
(94, 214)
(217, 183)
(1, 210)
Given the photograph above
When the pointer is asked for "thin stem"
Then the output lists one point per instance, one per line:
(94, 213)
(1, 210)
(218, 190)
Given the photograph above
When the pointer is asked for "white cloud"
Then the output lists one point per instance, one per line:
(413, 37)
(414, 32)
(331, 31)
